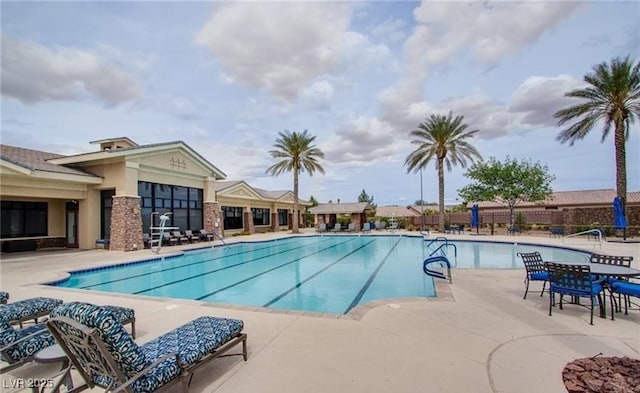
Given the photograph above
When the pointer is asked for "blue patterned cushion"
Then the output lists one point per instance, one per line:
(121, 313)
(27, 347)
(191, 341)
(25, 308)
(7, 333)
(119, 343)
(32, 345)
(4, 297)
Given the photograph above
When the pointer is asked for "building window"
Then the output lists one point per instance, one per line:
(232, 217)
(184, 204)
(24, 219)
(283, 217)
(260, 216)
(106, 202)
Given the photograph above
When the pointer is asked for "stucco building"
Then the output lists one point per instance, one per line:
(53, 200)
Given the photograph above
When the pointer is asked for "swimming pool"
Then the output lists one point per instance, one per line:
(331, 274)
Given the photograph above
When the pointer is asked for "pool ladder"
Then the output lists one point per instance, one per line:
(442, 246)
(443, 262)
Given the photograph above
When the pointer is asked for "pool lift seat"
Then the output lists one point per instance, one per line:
(157, 233)
(443, 262)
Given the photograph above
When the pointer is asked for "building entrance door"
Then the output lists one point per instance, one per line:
(71, 213)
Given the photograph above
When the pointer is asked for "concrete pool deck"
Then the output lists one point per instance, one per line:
(483, 337)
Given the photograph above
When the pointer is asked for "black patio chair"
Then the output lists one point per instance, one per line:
(576, 281)
(536, 270)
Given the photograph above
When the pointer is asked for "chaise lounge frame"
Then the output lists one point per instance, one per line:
(90, 356)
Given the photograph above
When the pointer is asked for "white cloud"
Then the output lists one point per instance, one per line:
(318, 95)
(391, 30)
(279, 47)
(489, 30)
(538, 98)
(33, 73)
(362, 142)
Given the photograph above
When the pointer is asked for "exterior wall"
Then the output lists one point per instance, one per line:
(578, 218)
(89, 220)
(126, 224)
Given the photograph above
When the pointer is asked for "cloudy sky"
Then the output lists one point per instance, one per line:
(227, 77)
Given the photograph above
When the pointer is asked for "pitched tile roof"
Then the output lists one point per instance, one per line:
(572, 198)
(397, 211)
(340, 208)
(36, 160)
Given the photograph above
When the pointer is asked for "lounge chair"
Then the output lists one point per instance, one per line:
(189, 234)
(366, 227)
(380, 225)
(181, 239)
(168, 240)
(206, 235)
(337, 227)
(18, 346)
(28, 309)
(322, 227)
(536, 271)
(106, 356)
(351, 227)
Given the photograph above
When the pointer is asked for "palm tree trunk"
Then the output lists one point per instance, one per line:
(621, 166)
(441, 194)
(294, 226)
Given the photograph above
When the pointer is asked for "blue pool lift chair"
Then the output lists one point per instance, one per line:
(106, 356)
(576, 281)
(536, 270)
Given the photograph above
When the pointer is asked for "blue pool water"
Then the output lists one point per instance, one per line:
(331, 274)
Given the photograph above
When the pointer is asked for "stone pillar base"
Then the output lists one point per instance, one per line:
(126, 224)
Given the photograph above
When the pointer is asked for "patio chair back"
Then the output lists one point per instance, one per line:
(536, 271)
(611, 260)
(96, 343)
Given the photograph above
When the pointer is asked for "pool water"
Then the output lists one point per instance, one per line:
(331, 274)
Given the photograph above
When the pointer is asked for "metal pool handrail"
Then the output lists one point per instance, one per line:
(590, 231)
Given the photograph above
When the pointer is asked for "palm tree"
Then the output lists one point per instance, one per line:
(612, 98)
(297, 154)
(445, 139)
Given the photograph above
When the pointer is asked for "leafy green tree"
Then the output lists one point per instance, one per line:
(612, 97)
(364, 197)
(307, 214)
(296, 153)
(509, 182)
(420, 202)
(445, 140)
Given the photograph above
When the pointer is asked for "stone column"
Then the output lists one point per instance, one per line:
(126, 224)
(213, 221)
(247, 219)
(274, 221)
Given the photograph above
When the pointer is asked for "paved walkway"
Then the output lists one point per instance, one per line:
(482, 338)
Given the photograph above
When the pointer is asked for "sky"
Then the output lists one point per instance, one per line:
(227, 77)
